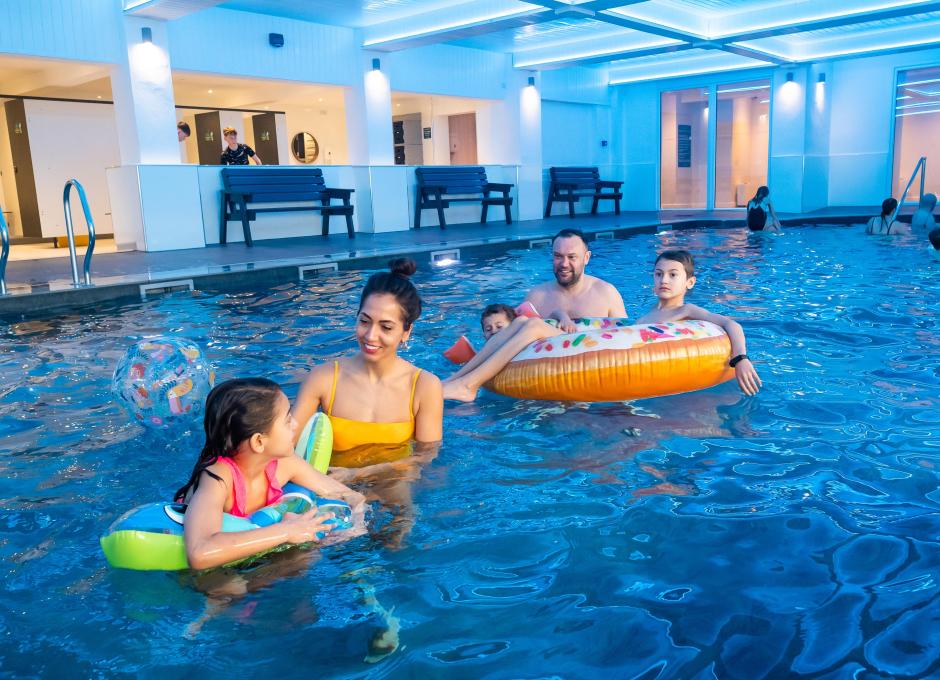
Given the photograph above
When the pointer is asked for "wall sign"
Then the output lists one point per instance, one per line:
(684, 146)
(426, 132)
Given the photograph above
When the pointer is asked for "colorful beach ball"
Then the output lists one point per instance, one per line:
(163, 380)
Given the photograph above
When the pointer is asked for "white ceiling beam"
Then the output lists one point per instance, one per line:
(546, 10)
(549, 64)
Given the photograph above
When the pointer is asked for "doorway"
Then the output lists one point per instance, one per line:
(462, 131)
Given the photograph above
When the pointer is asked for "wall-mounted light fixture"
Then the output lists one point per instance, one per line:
(822, 78)
(376, 64)
(146, 34)
(790, 76)
(532, 81)
(276, 39)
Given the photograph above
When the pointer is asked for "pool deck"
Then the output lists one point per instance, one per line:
(36, 287)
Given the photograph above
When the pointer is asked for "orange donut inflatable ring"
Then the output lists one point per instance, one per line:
(611, 360)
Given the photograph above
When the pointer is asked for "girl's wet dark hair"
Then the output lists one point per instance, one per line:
(761, 194)
(396, 282)
(887, 207)
(235, 410)
(934, 237)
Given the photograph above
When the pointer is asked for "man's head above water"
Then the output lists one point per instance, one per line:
(570, 255)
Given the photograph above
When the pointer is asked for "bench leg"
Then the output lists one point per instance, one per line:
(246, 227)
(617, 206)
(325, 231)
(548, 207)
(508, 214)
(570, 204)
(223, 222)
(440, 212)
(349, 226)
(594, 206)
(486, 208)
(417, 209)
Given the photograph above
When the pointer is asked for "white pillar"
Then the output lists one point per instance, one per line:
(369, 114)
(788, 138)
(142, 85)
(529, 99)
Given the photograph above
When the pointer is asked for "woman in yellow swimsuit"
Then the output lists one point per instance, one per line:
(377, 402)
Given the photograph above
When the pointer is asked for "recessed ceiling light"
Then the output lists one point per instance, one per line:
(210, 91)
(98, 97)
(319, 99)
(399, 104)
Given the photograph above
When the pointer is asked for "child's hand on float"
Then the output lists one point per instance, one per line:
(304, 528)
(747, 377)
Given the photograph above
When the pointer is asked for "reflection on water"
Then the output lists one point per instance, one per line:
(692, 536)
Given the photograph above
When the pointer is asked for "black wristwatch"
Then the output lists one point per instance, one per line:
(737, 360)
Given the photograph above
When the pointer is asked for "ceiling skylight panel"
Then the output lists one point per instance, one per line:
(592, 50)
(672, 15)
(689, 63)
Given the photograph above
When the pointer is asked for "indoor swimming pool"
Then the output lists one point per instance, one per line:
(795, 533)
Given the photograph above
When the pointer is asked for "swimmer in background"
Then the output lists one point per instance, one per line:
(247, 458)
(934, 238)
(760, 212)
(923, 219)
(673, 277)
(572, 295)
(884, 224)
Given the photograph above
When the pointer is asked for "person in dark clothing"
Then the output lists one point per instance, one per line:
(235, 153)
(760, 212)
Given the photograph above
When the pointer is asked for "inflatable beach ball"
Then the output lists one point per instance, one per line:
(163, 380)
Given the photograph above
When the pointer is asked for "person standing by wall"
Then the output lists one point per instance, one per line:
(235, 153)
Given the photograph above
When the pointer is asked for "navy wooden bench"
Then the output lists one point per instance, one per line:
(440, 186)
(571, 184)
(245, 188)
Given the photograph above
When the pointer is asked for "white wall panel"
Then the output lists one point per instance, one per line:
(236, 43)
(584, 85)
(89, 30)
(448, 70)
(72, 140)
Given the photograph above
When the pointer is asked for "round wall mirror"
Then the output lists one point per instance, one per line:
(304, 147)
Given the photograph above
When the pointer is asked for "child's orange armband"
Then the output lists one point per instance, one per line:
(461, 351)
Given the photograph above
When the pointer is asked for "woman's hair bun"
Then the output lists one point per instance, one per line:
(403, 266)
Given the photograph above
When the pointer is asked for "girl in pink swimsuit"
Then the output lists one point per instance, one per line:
(248, 456)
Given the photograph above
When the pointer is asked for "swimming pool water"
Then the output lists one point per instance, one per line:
(696, 536)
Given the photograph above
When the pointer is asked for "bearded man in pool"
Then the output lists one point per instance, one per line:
(574, 294)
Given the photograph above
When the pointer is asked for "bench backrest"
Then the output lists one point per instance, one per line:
(270, 185)
(459, 179)
(578, 176)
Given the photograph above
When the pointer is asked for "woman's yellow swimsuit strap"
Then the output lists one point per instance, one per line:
(349, 434)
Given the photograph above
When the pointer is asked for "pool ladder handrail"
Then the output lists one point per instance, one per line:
(921, 167)
(4, 253)
(67, 206)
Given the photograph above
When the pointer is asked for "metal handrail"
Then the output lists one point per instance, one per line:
(921, 167)
(66, 204)
(4, 253)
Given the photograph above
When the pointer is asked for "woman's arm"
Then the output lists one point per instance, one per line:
(429, 408)
(302, 473)
(309, 398)
(208, 546)
(744, 370)
(773, 214)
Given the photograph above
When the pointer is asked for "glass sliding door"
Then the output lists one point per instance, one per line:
(916, 130)
(683, 156)
(742, 142)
